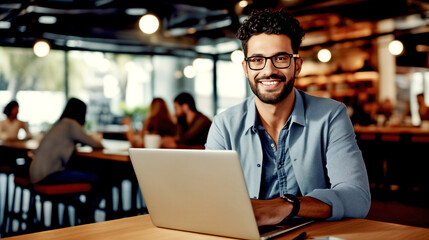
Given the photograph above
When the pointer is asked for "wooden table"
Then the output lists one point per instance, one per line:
(392, 130)
(103, 155)
(399, 133)
(140, 227)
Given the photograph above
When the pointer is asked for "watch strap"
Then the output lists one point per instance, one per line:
(296, 204)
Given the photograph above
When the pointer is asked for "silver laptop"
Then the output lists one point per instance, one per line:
(200, 191)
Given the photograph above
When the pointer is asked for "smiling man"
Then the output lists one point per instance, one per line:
(298, 152)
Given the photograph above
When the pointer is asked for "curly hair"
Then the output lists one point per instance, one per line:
(271, 21)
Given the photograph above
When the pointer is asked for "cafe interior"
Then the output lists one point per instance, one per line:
(117, 55)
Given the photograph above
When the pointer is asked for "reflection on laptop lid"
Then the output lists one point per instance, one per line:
(197, 190)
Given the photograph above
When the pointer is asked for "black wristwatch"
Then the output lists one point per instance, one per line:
(295, 204)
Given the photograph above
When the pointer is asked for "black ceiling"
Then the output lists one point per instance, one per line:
(104, 25)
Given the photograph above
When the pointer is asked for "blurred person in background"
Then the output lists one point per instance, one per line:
(364, 110)
(423, 109)
(193, 125)
(9, 127)
(50, 159)
(158, 122)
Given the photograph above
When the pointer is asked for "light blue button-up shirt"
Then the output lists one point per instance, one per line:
(278, 177)
(325, 158)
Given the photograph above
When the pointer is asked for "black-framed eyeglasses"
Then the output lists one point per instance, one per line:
(279, 61)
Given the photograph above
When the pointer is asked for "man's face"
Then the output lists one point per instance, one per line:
(270, 84)
(178, 110)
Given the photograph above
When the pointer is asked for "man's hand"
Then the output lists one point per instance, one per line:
(270, 212)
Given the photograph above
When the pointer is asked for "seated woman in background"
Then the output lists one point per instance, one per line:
(159, 122)
(49, 164)
(10, 126)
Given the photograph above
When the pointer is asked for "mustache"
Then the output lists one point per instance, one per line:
(272, 76)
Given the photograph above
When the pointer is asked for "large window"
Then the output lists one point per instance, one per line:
(231, 84)
(112, 85)
(36, 83)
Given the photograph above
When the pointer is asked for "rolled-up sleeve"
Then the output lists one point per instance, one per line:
(349, 194)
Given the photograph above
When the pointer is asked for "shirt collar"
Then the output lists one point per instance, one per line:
(297, 115)
(298, 112)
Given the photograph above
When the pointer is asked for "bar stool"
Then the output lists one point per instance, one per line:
(19, 172)
(22, 184)
(67, 194)
(7, 171)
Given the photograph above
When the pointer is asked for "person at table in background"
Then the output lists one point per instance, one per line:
(193, 125)
(385, 109)
(159, 122)
(298, 152)
(9, 127)
(50, 159)
(423, 109)
(364, 110)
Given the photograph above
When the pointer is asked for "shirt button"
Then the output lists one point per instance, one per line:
(272, 145)
(258, 165)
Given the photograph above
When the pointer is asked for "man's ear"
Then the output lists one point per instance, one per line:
(298, 65)
(245, 69)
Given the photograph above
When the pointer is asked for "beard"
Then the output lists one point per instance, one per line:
(271, 98)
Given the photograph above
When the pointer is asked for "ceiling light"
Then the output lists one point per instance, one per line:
(178, 74)
(41, 48)
(243, 3)
(149, 23)
(190, 71)
(47, 19)
(237, 56)
(324, 55)
(396, 47)
(136, 11)
(4, 25)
